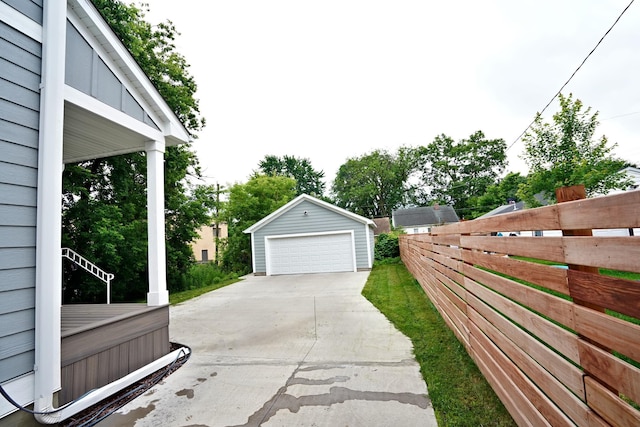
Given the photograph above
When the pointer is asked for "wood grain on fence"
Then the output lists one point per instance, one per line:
(560, 343)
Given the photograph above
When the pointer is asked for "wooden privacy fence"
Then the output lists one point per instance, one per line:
(560, 345)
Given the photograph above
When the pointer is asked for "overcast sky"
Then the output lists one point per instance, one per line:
(333, 79)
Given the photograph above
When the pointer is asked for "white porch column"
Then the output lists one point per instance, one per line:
(48, 292)
(158, 293)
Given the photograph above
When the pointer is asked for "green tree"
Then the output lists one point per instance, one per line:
(249, 203)
(308, 180)
(374, 184)
(457, 173)
(566, 152)
(104, 200)
(499, 194)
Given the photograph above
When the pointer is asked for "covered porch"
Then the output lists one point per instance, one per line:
(101, 343)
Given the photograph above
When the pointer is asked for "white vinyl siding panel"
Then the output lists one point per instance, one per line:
(323, 253)
(20, 65)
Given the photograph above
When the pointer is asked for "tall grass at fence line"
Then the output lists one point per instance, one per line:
(460, 394)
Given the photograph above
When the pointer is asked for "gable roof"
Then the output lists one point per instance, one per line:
(518, 206)
(118, 132)
(424, 215)
(305, 197)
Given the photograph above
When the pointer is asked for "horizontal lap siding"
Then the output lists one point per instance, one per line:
(20, 65)
(318, 220)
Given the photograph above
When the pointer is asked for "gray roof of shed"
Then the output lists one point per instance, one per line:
(425, 215)
(518, 206)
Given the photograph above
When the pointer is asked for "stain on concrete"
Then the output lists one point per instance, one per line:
(201, 380)
(306, 381)
(130, 418)
(336, 395)
(214, 374)
(185, 392)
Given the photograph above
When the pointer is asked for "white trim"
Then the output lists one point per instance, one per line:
(267, 252)
(96, 395)
(95, 106)
(129, 70)
(368, 234)
(20, 22)
(158, 293)
(21, 390)
(99, 53)
(308, 198)
(49, 220)
(253, 253)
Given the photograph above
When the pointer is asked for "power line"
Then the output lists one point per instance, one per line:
(573, 74)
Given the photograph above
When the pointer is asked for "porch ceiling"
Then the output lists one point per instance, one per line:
(90, 136)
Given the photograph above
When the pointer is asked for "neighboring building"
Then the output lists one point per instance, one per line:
(69, 92)
(634, 175)
(421, 219)
(204, 247)
(383, 225)
(308, 235)
(510, 207)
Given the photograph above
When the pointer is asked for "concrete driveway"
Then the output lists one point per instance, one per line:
(299, 350)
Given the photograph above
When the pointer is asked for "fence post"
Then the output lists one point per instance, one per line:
(568, 194)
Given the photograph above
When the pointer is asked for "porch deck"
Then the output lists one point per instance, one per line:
(102, 343)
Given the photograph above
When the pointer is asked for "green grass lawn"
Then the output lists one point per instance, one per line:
(179, 297)
(459, 392)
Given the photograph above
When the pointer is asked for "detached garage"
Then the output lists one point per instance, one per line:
(308, 235)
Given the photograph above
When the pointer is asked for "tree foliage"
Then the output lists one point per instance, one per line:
(374, 184)
(566, 152)
(249, 203)
(104, 200)
(457, 173)
(308, 180)
(499, 194)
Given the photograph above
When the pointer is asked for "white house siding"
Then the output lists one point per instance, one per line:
(318, 220)
(20, 69)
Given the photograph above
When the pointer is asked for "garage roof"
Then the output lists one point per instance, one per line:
(305, 197)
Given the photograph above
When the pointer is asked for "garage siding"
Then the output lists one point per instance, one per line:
(318, 220)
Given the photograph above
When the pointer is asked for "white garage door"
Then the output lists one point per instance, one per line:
(310, 254)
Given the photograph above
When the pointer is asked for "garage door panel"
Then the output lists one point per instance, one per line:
(311, 254)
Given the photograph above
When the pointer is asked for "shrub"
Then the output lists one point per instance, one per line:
(386, 246)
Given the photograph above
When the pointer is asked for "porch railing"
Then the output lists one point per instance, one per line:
(91, 268)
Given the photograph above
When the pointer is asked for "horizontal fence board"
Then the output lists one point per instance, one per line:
(456, 293)
(539, 409)
(567, 373)
(452, 263)
(609, 331)
(563, 341)
(617, 253)
(453, 277)
(451, 252)
(613, 371)
(528, 326)
(572, 406)
(516, 403)
(546, 248)
(544, 218)
(542, 275)
(549, 305)
(615, 211)
(616, 294)
(609, 406)
(446, 239)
